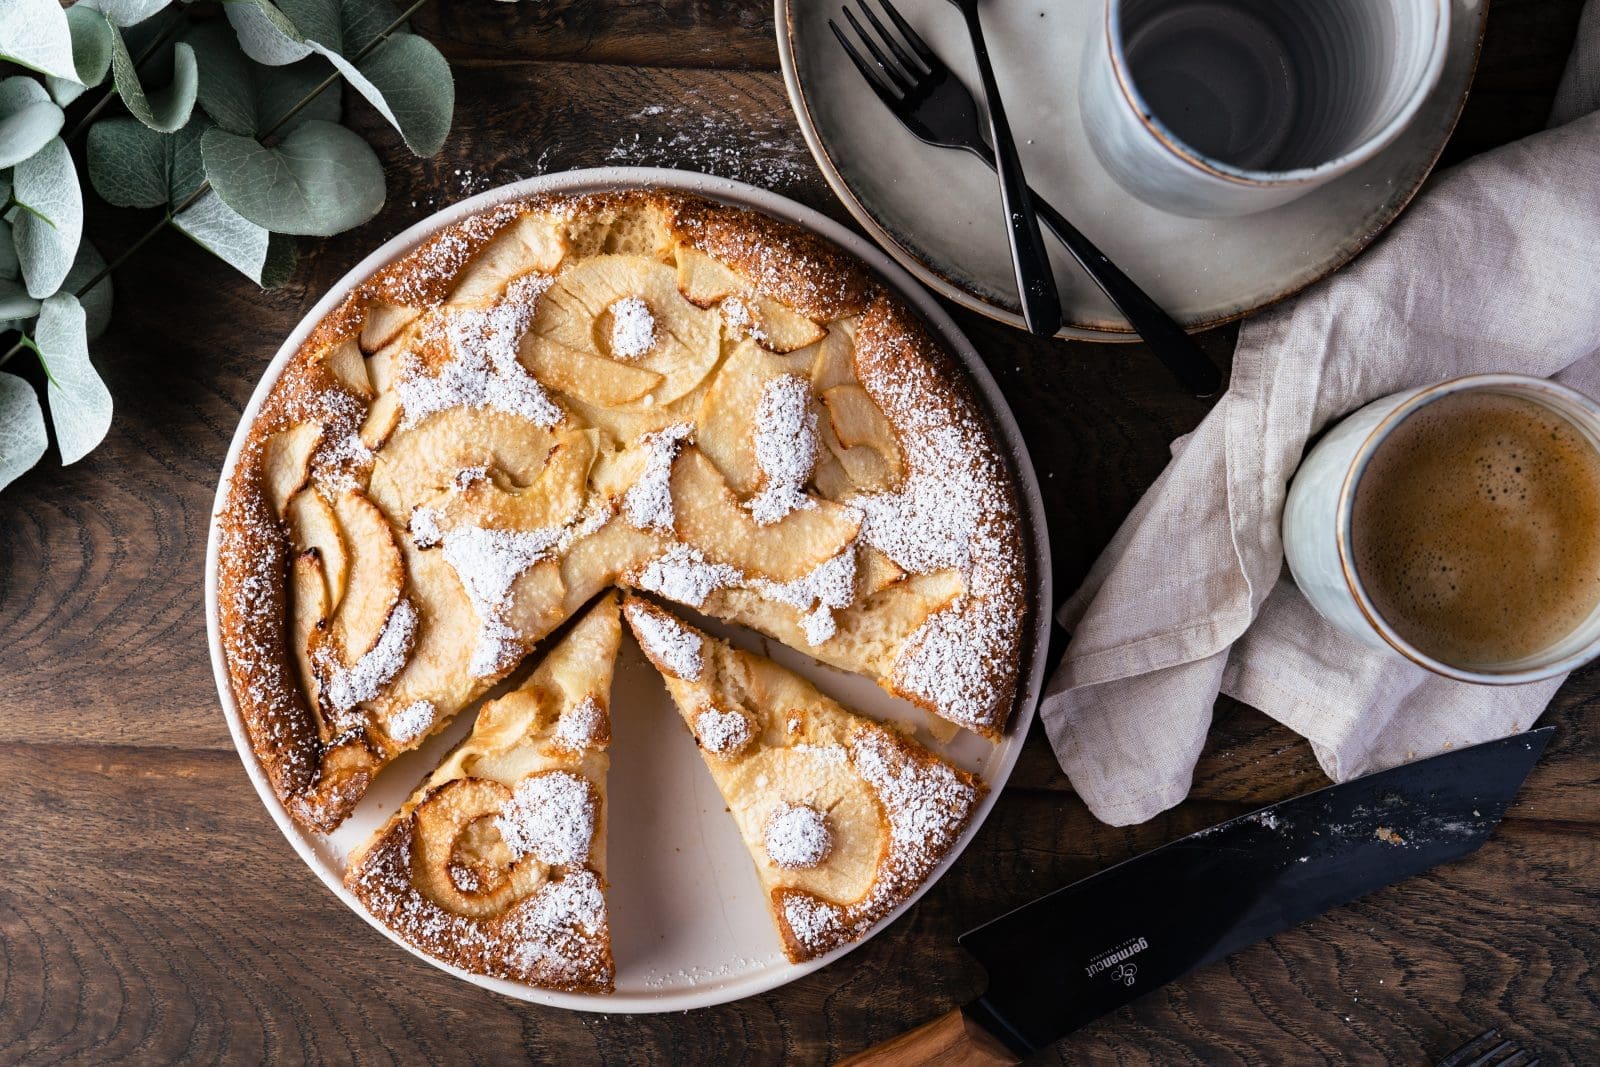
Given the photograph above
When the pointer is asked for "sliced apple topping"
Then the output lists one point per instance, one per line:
(786, 448)
(383, 324)
(728, 409)
(488, 497)
(483, 370)
(834, 362)
(376, 576)
(577, 313)
(707, 283)
(532, 243)
(344, 687)
(286, 463)
(707, 515)
(314, 526)
(859, 423)
(648, 504)
(489, 564)
(702, 280)
(308, 614)
(348, 366)
(422, 461)
(590, 378)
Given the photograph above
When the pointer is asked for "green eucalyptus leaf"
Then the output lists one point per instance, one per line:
(35, 34)
(15, 303)
(168, 108)
(237, 241)
(48, 228)
(409, 82)
(126, 12)
(321, 180)
(80, 403)
(227, 88)
(265, 33)
(22, 434)
(131, 165)
(361, 22)
(127, 163)
(28, 118)
(282, 88)
(91, 54)
(97, 301)
(316, 20)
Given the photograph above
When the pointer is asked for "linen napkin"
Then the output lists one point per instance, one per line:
(1495, 267)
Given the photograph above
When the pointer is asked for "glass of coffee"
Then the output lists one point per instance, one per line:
(1458, 524)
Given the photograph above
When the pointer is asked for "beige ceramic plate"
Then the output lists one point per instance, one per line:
(938, 211)
(689, 924)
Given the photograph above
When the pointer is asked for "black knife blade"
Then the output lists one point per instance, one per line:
(1077, 953)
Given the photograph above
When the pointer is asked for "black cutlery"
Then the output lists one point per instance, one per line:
(918, 89)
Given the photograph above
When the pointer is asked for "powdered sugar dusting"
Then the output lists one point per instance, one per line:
(648, 503)
(345, 687)
(797, 836)
(684, 574)
(667, 641)
(926, 801)
(484, 371)
(740, 318)
(633, 328)
(786, 447)
(580, 725)
(412, 721)
(424, 526)
(488, 562)
(551, 817)
(722, 733)
(828, 588)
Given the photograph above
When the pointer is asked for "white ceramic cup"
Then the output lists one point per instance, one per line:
(1317, 524)
(1228, 107)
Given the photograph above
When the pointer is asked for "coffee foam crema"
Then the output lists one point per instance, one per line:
(1476, 528)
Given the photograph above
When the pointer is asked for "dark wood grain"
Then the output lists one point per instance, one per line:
(150, 911)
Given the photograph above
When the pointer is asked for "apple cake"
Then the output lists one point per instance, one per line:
(843, 817)
(497, 862)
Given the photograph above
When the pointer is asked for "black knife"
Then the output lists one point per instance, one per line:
(1080, 952)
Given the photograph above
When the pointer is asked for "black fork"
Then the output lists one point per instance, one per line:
(930, 101)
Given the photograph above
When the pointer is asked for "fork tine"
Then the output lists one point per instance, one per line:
(929, 57)
(900, 79)
(890, 39)
(1471, 1048)
(874, 79)
(1493, 1055)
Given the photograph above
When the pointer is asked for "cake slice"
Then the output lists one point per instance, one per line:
(496, 864)
(844, 818)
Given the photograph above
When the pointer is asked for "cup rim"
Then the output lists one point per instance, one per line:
(1345, 523)
(1246, 176)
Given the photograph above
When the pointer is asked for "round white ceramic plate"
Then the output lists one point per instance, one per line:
(688, 922)
(938, 211)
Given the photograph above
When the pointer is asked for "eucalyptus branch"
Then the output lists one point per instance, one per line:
(140, 60)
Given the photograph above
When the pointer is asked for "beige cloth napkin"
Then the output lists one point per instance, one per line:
(1496, 267)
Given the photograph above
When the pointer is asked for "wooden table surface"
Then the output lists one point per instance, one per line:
(150, 911)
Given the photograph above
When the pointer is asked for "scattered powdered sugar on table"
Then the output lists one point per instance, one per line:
(488, 562)
(785, 446)
(667, 641)
(723, 733)
(348, 686)
(580, 725)
(412, 721)
(551, 817)
(758, 147)
(648, 503)
(797, 837)
(633, 328)
(684, 574)
(484, 371)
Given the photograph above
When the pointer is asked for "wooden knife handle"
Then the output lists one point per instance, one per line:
(951, 1040)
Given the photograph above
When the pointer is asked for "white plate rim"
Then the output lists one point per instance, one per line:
(1109, 335)
(601, 179)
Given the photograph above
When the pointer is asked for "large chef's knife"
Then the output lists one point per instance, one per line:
(1080, 952)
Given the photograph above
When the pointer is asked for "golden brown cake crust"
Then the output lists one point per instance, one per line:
(962, 664)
